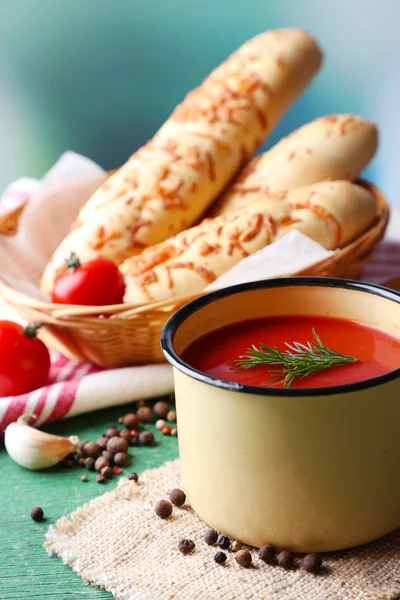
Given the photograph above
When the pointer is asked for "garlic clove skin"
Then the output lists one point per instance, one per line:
(34, 449)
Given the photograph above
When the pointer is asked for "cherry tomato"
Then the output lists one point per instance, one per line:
(24, 359)
(98, 282)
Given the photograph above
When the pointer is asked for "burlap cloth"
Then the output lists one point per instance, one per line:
(118, 543)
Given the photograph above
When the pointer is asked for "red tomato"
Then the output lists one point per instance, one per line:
(24, 359)
(98, 282)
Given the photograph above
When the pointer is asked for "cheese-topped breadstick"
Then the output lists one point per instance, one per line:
(167, 185)
(331, 213)
(330, 148)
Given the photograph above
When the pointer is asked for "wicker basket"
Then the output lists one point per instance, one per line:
(130, 334)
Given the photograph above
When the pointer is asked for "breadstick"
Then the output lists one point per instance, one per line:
(330, 148)
(168, 184)
(331, 213)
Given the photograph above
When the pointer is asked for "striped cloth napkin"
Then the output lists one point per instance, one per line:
(76, 387)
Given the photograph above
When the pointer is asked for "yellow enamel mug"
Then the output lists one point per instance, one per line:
(308, 470)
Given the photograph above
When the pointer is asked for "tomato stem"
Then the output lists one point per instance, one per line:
(73, 263)
(30, 331)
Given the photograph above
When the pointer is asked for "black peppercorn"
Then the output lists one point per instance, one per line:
(243, 558)
(89, 464)
(100, 463)
(108, 455)
(121, 459)
(102, 442)
(163, 509)
(177, 497)
(146, 438)
(224, 542)
(220, 558)
(285, 559)
(91, 450)
(130, 421)
(100, 478)
(312, 563)
(117, 444)
(133, 476)
(161, 409)
(37, 513)
(211, 537)
(126, 435)
(112, 431)
(186, 546)
(145, 414)
(267, 553)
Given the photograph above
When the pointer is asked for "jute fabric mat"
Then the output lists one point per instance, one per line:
(118, 543)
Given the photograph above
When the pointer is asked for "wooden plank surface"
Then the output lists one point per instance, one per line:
(26, 570)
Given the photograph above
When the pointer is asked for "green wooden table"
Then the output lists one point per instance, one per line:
(26, 570)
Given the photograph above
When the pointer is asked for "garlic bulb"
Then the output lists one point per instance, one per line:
(34, 449)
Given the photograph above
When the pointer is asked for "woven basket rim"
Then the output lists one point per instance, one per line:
(75, 315)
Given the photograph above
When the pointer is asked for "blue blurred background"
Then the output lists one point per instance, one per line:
(100, 76)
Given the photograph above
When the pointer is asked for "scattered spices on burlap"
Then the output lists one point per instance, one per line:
(128, 565)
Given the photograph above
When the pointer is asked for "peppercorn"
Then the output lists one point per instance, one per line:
(79, 455)
(68, 463)
(102, 442)
(112, 431)
(236, 546)
(220, 558)
(108, 455)
(91, 450)
(243, 558)
(101, 462)
(117, 444)
(161, 409)
(140, 403)
(177, 497)
(174, 432)
(312, 563)
(267, 553)
(83, 442)
(186, 546)
(133, 476)
(84, 478)
(37, 513)
(166, 430)
(89, 464)
(117, 471)
(81, 461)
(160, 423)
(100, 478)
(107, 472)
(285, 559)
(145, 414)
(126, 435)
(224, 542)
(171, 416)
(146, 438)
(163, 509)
(130, 421)
(210, 537)
(121, 459)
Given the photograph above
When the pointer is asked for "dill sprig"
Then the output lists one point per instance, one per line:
(298, 361)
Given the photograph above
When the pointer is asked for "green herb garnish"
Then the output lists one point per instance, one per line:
(299, 361)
